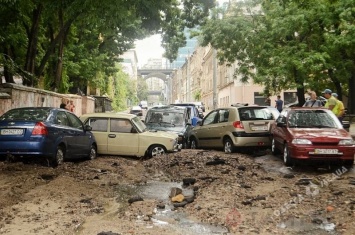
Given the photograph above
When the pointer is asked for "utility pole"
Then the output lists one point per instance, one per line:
(214, 61)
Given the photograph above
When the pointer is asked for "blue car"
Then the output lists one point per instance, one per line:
(54, 133)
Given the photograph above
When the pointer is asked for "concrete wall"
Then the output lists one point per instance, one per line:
(17, 96)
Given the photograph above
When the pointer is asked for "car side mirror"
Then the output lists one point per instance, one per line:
(140, 114)
(281, 124)
(199, 123)
(134, 130)
(87, 128)
(201, 115)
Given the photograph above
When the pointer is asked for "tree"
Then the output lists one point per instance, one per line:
(53, 32)
(284, 44)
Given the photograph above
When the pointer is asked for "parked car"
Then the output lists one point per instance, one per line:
(193, 112)
(311, 134)
(143, 104)
(199, 105)
(50, 132)
(137, 110)
(126, 134)
(232, 127)
(170, 118)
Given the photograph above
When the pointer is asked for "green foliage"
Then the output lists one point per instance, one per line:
(142, 89)
(286, 44)
(197, 95)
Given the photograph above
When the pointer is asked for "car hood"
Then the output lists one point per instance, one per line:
(311, 133)
(176, 129)
(161, 134)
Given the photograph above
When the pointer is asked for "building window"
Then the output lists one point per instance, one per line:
(290, 97)
(259, 98)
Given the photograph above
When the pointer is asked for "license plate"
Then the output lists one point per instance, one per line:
(12, 132)
(326, 151)
(259, 128)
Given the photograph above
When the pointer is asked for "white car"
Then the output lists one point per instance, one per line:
(126, 134)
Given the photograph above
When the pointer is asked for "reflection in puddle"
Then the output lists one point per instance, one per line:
(303, 227)
(176, 220)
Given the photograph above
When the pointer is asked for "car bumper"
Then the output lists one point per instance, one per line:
(304, 152)
(252, 141)
(28, 148)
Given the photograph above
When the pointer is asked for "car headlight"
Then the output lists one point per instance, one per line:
(301, 141)
(347, 142)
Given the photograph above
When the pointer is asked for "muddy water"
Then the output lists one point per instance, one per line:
(174, 219)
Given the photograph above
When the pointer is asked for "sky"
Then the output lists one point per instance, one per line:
(150, 47)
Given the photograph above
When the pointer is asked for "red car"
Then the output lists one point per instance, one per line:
(311, 134)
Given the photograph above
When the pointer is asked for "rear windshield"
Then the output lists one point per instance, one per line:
(247, 114)
(26, 114)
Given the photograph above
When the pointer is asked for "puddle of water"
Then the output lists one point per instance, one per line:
(175, 220)
(302, 226)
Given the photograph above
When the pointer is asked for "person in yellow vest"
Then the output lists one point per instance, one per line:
(331, 103)
(341, 108)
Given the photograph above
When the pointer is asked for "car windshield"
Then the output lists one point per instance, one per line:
(139, 124)
(166, 117)
(33, 114)
(312, 119)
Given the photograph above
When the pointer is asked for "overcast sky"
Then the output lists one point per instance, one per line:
(150, 47)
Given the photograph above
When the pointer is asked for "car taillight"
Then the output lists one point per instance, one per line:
(40, 129)
(238, 124)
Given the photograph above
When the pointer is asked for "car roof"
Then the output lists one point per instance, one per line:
(110, 115)
(184, 104)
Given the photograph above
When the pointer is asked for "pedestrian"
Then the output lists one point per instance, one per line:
(268, 101)
(341, 108)
(331, 103)
(279, 103)
(63, 106)
(71, 107)
(313, 101)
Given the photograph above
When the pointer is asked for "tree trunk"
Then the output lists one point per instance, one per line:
(32, 43)
(300, 87)
(60, 36)
(8, 55)
(337, 84)
(59, 66)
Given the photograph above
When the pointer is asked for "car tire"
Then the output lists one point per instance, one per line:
(228, 146)
(58, 157)
(274, 150)
(93, 153)
(156, 150)
(193, 144)
(286, 156)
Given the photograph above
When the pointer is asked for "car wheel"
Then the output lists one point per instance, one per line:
(156, 150)
(286, 156)
(194, 144)
(59, 157)
(274, 150)
(93, 153)
(228, 146)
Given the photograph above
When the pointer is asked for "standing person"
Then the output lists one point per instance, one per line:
(331, 103)
(313, 101)
(341, 108)
(279, 103)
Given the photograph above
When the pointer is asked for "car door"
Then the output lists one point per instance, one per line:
(99, 127)
(221, 127)
(205, 132)
(279, 132)
(83, 139)
(121, 140)
(66, 133)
